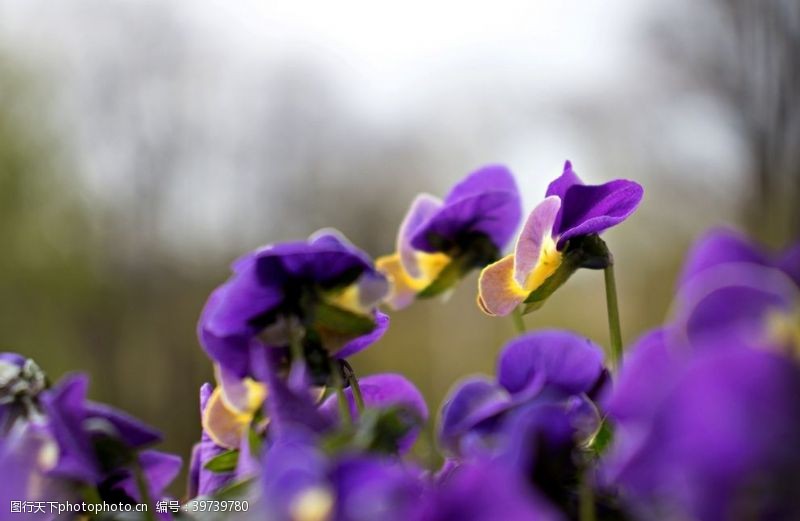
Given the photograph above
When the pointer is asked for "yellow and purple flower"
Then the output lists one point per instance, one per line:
(570, 211)
(440, 241)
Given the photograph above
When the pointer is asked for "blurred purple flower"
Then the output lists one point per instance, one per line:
(733, 292)
(706, 435)
(570, 210)
(98, 445)
(442, 240)
(547, 366)
(380, 391)
(301, 482)
(288, 282)
(486, 491)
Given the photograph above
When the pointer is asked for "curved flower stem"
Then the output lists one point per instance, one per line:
(144, 492)
(352, 380)
(519, 323)
(586, 510)
(615, 355)
(344, 405)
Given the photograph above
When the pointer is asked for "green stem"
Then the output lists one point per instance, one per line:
(586, 510)
(359, 398)
(144, 492)
(519, 323)
(615, 331)
(295, 340)
(344, 404)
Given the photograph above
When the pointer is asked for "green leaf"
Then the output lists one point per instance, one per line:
(225, 462)
(255, 441)
(341, 321)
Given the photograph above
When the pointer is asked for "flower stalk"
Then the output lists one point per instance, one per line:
(615, 331)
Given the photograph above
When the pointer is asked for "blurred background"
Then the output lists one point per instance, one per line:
(144, 144)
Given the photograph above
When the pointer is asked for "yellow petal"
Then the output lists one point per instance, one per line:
(404, 287)
(498, 292)
(547, 264)
(225, 424)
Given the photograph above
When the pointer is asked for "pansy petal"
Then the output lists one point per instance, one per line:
(789, 262)
(472, 402)
(403, 287)
(551, 359)
(592, 209)
(380, 391)
(535, 238)
(733, 303)
(159, 470)
(224, 425)
(498, 291)
(359, 344)
(564, 182)
(486, 179)
(487, 201)
(719, 246)
(422, 208)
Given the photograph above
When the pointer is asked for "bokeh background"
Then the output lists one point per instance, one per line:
(145, 144)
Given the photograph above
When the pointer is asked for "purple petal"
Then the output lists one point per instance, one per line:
(369, 489)
(159, 469)
(789, 262)
(550, 359)
(474, 401)
(64, 407)
(487, 202)
(564, 182)
(380, 391)
(487, 491)
(134, 433)
(588, 209)
(292, 467)
(359, 344)
(538, 228)
(733, 303)
(719, 246)
(422, 209)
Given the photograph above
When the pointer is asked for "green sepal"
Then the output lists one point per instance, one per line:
(341, 321)
(224, 462)
(378, 431)
(602, 438)
(588, 252)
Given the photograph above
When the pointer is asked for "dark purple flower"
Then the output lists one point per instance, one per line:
(707, 435)
(440, 241)
(292, 283)
(547, 365)
(569, 211)
(486, 491)
(99, 446)
(733, 292)
(380, 391)
(301, 482)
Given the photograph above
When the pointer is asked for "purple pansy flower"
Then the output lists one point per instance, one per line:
(301, 482)
(571, 210)
(301, 282)
(486, 491)
(548, 365)
(439, 241)
(96, 443)
(380, 391)
(733, 292)
(706, 434)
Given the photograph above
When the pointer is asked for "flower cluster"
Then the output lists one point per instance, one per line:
(700, 419)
